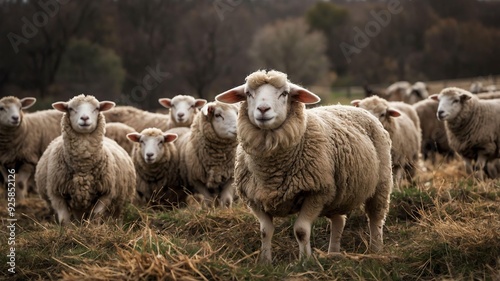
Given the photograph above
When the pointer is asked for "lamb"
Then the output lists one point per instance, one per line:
(156, 162)
(118, 132)
(183, 108)
(434, 140)
(323, 161)
(472, 126)
(82, 173)
(397, 91)
(403, 131)
(24, 138)
(207, 153)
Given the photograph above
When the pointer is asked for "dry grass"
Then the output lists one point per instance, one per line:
(445, 226)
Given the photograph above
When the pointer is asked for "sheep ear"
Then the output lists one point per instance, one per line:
(434, 97)
(465, 97)
(207, 109)
(234, 95)
(302, 95)
(27, 102)
(199, 103)
(106, 105)
(393, 112)
(168, 137)
(61, 106)
(165, 102)
(355, 103)
(135, 137)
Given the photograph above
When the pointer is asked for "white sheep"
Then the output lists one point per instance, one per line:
(118, 132)
(325, 161)
(156, 161)
(24, 138)
(183, 108)
(182, 111)
(404, 132)
(397, 91)
(472, 126)
(82, 172)
(207, 153)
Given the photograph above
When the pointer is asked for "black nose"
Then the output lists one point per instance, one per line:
(15, 118)
(149, 155)
(263, 109)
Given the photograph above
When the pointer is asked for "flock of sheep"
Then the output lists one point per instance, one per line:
(257, 142)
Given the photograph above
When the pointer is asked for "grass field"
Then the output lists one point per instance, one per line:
(445, 226)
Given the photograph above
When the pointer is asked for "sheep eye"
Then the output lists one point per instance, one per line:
(248, 94)
(160, 143)
(284, 94)
(217, 115)
(1, 108)
(382, 115)
(71, 109)
(141, 142)
(455, 101)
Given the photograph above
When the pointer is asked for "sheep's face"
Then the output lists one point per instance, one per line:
(223, 118)
(83, 112)
(268, 106)
(450, 104)
(416, 93)
(378, 108)
(11, 110)
(152, 143)
(183, 108)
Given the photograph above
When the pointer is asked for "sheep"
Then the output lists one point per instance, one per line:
(83, 173)
(472, 127)
(156, 161)
(137, 118)
(183, 108)
(489, 95)
(433, 133)
(24, 138)
(181, 114)
(118, 132)
(417, 92)
(397, 91)
(403, 131)
(322, 161)
(207, 153)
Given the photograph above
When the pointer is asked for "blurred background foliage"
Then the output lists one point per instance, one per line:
(109, 48)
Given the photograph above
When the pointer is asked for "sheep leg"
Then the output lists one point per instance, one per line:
(480, 164)
(62, 210)
(309, 211)
(227, 194)
(203, 190)
(468, 166)
(22, 178)
(266, 234)
(337, 223)
(376, 209)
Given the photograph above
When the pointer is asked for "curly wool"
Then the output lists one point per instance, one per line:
(161, 179)
(79, 169)
(205, 157)
(475, 128)
(260, 77)
(314, 152)
(118, 132)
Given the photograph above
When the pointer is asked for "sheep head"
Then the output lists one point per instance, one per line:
(268, 95)
(451, 101)
(152, 142)
(378, 107)
(11, 113)
(223, 118)
(83, 112)
(183, 108)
